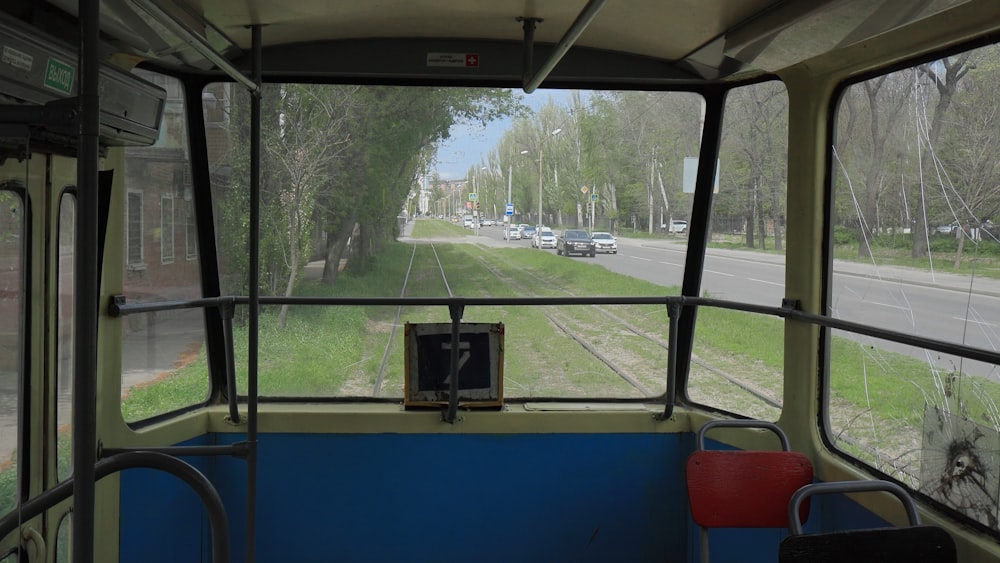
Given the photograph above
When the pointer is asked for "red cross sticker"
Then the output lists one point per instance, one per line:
(472, 59)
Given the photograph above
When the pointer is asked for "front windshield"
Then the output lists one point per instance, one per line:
(385, 191)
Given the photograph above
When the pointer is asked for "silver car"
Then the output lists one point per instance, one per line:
(605, 242)
(544, 238)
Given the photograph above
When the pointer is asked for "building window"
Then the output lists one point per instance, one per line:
(190, 232)
(133, 234)
(166, 229)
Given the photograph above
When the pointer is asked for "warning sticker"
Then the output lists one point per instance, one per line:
(17, 59)
(462, 60)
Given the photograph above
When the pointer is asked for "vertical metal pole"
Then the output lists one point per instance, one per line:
(86, 289)
(540, 183)
(674, 314)
(510, 180)
(254, 337)
(456, 319)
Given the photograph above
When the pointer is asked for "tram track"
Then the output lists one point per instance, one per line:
(747, 387)
(562, 324)
(613, 359)
(384, 363)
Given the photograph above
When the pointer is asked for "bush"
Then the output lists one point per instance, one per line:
(844, 235)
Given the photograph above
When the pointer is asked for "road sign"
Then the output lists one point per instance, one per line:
(593, 197)
(583, 190)
(510, 209)
(427, 359)
(473, 196)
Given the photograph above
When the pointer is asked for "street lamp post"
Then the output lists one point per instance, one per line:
(510, 180)
(540, 176)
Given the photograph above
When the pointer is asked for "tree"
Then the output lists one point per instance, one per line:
(754, 152)
(945, 76)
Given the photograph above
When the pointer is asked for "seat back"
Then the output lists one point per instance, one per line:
(743, 489)
(928, 544)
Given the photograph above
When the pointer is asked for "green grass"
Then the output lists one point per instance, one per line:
(425, 228)
(980, 259)
(337, 351)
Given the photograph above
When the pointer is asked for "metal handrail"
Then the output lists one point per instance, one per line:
(787, 311)
(795, 525)
(200, 484)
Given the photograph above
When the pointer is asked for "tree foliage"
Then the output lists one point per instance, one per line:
(338, 164)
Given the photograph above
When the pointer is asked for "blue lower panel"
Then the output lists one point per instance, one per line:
(162, 519)
(392, 497)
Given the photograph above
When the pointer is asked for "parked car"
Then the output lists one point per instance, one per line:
(575, 241)
(605, 242)
(678, 227)
(948, 229)
(544, 238)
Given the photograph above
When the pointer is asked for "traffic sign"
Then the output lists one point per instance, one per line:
(584, 190)
(593, 197)
(510, 209)
(473, 196)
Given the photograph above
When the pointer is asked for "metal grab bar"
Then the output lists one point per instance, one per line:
(132, 460)
(743, 424)
(795, 526)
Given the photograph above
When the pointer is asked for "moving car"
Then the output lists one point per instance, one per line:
(605, 242)
(679, 227)
(528, 232)
(575, 241)
(544, 238)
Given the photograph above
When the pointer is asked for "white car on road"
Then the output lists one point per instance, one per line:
(544, 238)
(605, 242)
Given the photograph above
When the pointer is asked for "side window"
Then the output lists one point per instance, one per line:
(163, 356)
(737, 363)
(916, 162)
(12, 304)
(64, 342)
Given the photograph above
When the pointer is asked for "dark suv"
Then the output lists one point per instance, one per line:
(575, 241)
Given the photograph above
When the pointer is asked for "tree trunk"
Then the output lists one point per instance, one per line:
(961, 247)
(336, 245)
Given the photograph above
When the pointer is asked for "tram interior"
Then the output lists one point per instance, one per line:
(354, 474)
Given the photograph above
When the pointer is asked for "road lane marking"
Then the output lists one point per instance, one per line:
(721, 273)
(767, 282)
(973, 321)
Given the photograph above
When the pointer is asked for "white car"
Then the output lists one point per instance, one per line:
(515, 234)
(544, 238)
(679, 227)
(605, 242)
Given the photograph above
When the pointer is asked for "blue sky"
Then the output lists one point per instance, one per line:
(470, 143)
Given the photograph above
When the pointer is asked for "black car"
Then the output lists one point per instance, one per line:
(574, 241)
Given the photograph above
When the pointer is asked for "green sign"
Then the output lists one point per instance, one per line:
(59, 76)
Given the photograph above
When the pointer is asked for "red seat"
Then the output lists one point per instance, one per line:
(743, 489)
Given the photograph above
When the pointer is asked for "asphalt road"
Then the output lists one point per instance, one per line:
(954, 308)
